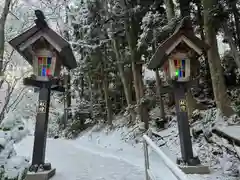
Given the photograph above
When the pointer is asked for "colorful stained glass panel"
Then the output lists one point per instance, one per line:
(180, 66)
(44, 65)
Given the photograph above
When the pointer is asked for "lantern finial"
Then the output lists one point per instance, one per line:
(40, 21)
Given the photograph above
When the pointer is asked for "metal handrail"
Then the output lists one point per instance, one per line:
(177, 172)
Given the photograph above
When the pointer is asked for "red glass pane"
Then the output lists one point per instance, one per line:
(48, 72)
(166, 67)
(175, 62)
(39, 60)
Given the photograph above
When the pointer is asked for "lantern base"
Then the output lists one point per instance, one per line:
(44, 175)
(194, 161)
(194, 166)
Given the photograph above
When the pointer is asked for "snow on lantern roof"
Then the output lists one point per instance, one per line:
(181, 35)
(23, 42)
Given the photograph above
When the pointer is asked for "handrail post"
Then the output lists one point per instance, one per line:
(177, 172)
(146, 158)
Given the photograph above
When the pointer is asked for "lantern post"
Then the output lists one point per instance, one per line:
(47, 52)
(178, 70)
(177, 57)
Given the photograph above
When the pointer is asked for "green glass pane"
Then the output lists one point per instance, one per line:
(176, 73)
(39, 71)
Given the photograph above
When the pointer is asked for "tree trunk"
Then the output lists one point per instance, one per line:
(237, 22)
(120, 66)
(160, 101)
(82, 86)
(200, 19)
(136, 70)
(169, 9)
(2, 31)
(67, 104)
(2, 41)
(105, 83)
(142, 105)
(201, 27)
(158, 86)
(91, 96)
(231, 43)
(69, 97)
(219, 87)
(107, 101)
(127, 90)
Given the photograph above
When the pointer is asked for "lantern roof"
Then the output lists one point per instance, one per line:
(23, 42)
(180, 35)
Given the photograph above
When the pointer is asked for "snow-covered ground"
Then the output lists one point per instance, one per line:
(80, 159)
(102, 154)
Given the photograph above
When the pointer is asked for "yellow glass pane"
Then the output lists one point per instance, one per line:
(45, 60)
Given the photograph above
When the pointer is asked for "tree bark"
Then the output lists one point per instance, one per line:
(169, 9)
(125, 82)
(158, 85)
(90, 95)
(219, 87)
(67, 104)
(200, 19)
(160, 101)
(68, 96)
(105, 83)
(2, 32)
(236, 19)
(107, 101)
(120, 66)
(231, 43)
(136, 70)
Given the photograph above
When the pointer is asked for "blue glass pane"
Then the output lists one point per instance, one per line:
(49, 60)
(180, 73)
(43, 71)
(183, 64)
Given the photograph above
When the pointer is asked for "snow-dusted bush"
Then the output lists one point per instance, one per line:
(11, 166)
(12, 130)
(14, 125)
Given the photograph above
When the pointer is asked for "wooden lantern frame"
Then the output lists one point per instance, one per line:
(181, 44)
(44, 41)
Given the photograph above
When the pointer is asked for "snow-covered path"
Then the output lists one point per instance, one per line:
(74, 163)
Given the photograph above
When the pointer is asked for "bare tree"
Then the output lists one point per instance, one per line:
(2, 32)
